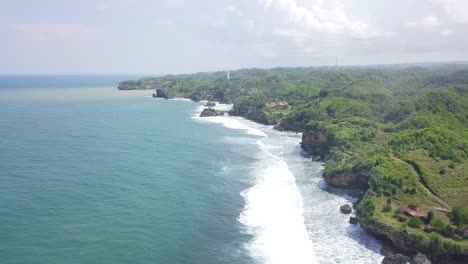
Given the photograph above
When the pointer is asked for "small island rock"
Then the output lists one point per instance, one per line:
(352, 220)
(210, 104)
(211, 112)
(346, 209)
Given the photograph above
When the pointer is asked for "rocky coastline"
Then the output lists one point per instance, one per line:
(318, 144)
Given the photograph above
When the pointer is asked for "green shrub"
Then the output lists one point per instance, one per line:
(437, 224)
(459, 216)
(387, 208)
(430, 216)
(448, 231)
(415, 222)
(366, 208)
(435, 244)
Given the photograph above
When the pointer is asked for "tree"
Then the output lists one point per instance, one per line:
(430, 216)
(448, 231)
(459, 216)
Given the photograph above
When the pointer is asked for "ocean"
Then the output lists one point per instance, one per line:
(90, 174)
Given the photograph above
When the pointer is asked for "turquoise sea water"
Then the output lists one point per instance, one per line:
(90, 174)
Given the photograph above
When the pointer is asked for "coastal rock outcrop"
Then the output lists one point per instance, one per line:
(420, 259)
(346, 209)
(352, 220)
(317, 143)
(348, 180)
(160, 94)
(211, 112)
(397, 238)
(396, 259)
(210, 104)
(402, 259)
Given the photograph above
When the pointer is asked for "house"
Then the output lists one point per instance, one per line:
(414, 211)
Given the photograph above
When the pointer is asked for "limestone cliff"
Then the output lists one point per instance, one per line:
(317, 143)
(348, 180)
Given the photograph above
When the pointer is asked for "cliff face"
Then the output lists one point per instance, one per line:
(160, 94)
(317, 143)
(348, 180)
(398, 239)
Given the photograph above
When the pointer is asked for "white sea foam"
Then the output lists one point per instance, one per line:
(181, 99)
(273, 213)
(229, 122)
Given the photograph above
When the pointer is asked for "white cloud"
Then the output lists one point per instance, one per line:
(447, 32)
(427, 24)
(44, 32)
(291, 33)
(431, 21)
(457, 10)
(321, 16)
(234, 10)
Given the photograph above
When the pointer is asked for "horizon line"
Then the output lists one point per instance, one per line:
(237, 69)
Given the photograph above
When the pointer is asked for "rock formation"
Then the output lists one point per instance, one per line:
(160, 94)
(211, 112)
(317, 143)
(348, 180)
(346, 209)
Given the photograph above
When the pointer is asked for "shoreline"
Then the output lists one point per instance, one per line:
(335, 191)
(360, 182)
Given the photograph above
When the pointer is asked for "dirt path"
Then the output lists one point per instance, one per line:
(426, 187)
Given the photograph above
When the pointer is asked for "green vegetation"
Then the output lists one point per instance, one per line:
(415, 222)
(403, 130)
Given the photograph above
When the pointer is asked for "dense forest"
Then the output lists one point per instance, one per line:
(399, 132)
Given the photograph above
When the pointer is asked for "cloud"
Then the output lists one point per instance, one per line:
(447, 32)
(456, 10)
(426, 24)
(431, 21)
(322, 17)
(56, 32)
(234, 10)
(291, 33)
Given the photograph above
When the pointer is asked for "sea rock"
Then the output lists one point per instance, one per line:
(348, 180)
(420, 259)
(395, 259)
(316, 158)
(211, 112)
(210, 104)
(160, 94)
(279, 127)
(346, 209)
(352, 220)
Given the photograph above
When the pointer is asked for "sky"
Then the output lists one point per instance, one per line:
(183, 36)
